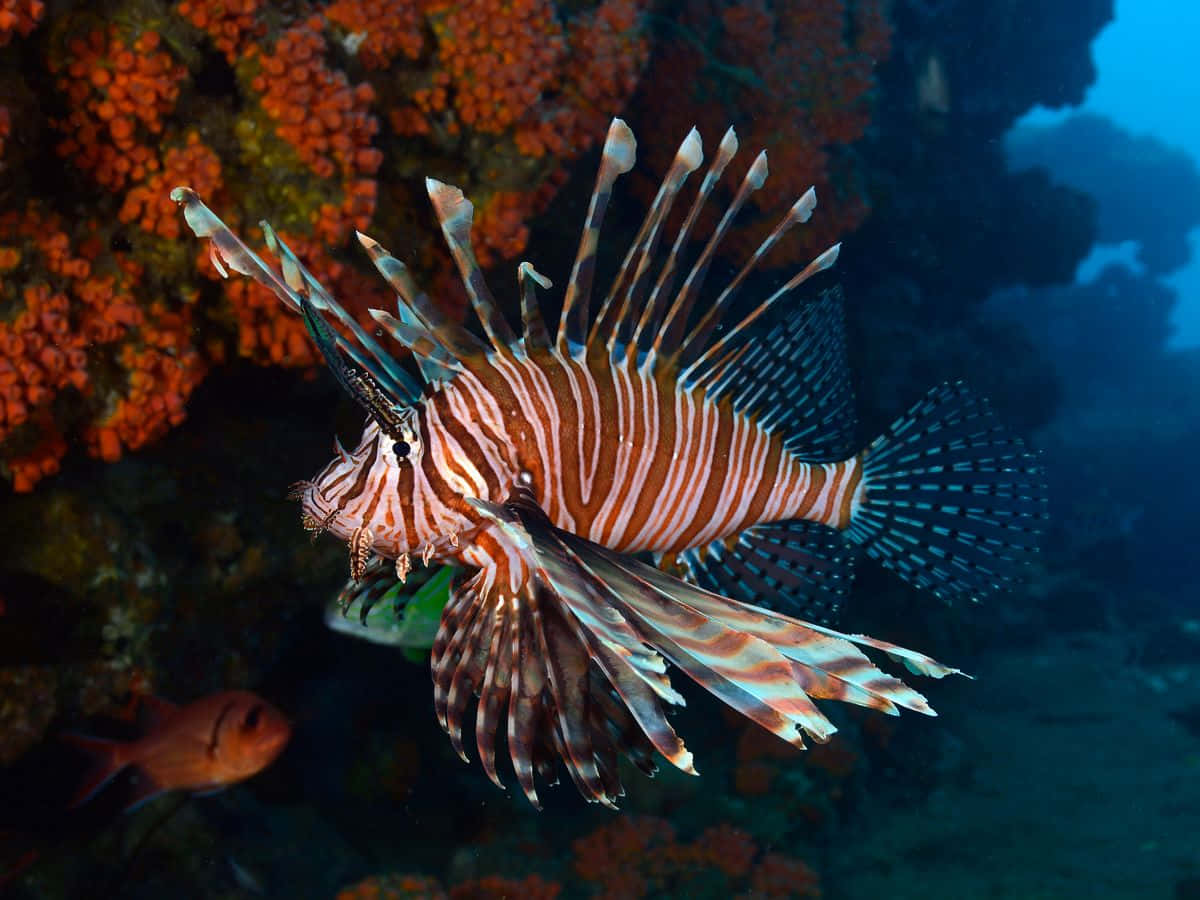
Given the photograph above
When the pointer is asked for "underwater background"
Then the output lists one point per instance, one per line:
(1016, 189)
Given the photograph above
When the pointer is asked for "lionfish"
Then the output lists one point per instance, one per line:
(552, 467)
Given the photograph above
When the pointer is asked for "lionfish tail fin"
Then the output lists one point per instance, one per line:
(950, 500)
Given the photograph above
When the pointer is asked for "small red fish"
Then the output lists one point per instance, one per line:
(203, 747)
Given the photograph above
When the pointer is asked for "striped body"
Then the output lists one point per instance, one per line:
(612, 453)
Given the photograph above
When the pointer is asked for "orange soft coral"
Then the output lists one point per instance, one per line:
(162, 371)
(639, 857)
(805, 76)
(19, 17)
(500, 57)
(149, 204)
(78, 324)
(118, 92)
(230, 23)
(316, 110)
(493, 887)
(394, 887)
(378, 30)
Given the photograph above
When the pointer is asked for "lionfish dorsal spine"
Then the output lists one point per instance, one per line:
(410, 299)
(381, 365)
(650, 321)
(455, 213)
(718, 347)
(435, 361)
(533, 325)
(668, 341)
(800, 212)
(617, 158)
(613, 322)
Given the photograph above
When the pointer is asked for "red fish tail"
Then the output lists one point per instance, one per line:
(107, 761)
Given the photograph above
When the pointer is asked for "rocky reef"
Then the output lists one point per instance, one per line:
(152, 415)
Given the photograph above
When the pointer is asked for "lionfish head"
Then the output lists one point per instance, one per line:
(369, 487)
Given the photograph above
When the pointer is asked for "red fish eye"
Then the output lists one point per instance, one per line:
(252, 718)
(402, 449)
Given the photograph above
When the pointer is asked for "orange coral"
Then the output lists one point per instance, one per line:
(394, 887)
(118, 94)
(639, 857)
(161, 373)
(532, 887)
(778, 876)
(230, 23)
(315, 109)
(20, 17)
(77, 327)
(149, 203)
(30, 468)
(499, 56)
(378, 30)
(806, 72)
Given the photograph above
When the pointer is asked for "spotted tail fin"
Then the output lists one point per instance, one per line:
(950, 500)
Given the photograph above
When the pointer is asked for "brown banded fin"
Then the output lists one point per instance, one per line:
(436, 363)
(535, 334)
(655, 308)
(359, 544)
(667, 342)
(696, 369)
(457, 341)
(593, 607)
(454, 213)
(293, 288)
(801, 211)
(617, 158)
(615, 321)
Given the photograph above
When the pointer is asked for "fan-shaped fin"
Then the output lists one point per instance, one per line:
(796, 380)
(800, 567)
(953, 502)
(764, 664)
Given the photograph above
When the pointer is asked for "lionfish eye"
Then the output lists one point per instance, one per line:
(252, 718)
(402, 449)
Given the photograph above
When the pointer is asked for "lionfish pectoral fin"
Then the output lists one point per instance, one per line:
(766, 665)
(808, 566)
(553, 661)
